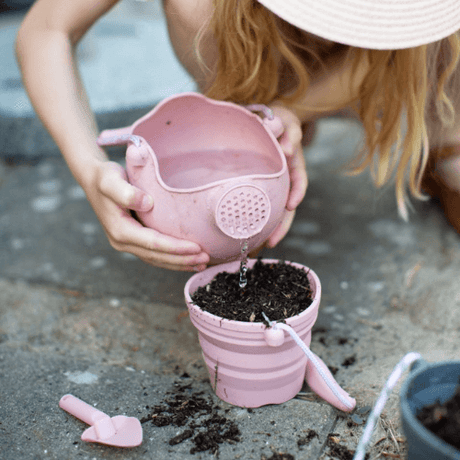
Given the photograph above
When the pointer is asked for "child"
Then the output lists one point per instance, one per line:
(395, 64)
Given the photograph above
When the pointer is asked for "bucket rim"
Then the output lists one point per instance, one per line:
(245, 326)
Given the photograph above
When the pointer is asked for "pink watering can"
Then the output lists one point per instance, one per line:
(214, 169)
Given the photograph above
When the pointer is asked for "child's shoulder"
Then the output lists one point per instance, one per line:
(192, 10)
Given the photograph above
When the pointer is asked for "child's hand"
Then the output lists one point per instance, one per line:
(291, 144)
(112, 197)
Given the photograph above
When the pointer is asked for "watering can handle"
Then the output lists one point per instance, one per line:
(273, 123)
(119, 136)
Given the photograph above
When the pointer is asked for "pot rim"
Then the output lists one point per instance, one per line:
(233, 267)
(430, 438)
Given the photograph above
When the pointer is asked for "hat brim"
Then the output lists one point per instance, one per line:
(373, 24)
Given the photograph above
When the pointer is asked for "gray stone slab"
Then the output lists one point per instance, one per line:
(69, 303)
(127, 64)
(123, 357)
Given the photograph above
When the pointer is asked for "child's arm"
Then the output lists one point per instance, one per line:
(45, 49)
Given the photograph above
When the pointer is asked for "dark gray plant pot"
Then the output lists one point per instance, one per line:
(427, 384)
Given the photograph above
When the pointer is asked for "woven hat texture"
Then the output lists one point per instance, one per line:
(373, 24)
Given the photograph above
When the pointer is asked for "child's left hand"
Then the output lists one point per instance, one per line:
(291, 144)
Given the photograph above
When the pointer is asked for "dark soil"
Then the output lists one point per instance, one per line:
(443, 419)
(307, 439)
(279, 456)
(349, 361)
(339, 451)
(280, 290)
(204, 425)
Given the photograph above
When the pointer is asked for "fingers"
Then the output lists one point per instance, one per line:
(291, 138)
(154, 247)
(114, 185)
(112, 197)
(166, 252)
(291, 144)
(299, 179)
(292, 135)
(130, 233)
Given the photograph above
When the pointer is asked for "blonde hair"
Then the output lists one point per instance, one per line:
(401, 91)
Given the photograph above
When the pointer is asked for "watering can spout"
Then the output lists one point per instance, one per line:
(243, 211)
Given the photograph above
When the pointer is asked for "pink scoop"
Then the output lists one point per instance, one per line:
(119, 431)
(214, 169)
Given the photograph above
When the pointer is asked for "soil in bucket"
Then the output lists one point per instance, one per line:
(279, 290)
(443, 419)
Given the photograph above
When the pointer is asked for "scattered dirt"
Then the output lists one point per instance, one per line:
(278, 456)
(349, 361)
(280, 290)
(339, 451)
(204, 423)
(443, 419)
(304, 440)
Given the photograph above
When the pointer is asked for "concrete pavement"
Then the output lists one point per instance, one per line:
(78, 317)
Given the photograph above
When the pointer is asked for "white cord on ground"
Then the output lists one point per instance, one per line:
(311, 357)
(404, 364)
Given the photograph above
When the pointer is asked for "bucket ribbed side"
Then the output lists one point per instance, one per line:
(244, 370)
(254, 374)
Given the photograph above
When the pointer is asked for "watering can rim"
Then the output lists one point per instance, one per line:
(130, 137)
(245, 179)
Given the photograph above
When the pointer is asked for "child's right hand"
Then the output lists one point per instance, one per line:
(291, 144)
(112, 198)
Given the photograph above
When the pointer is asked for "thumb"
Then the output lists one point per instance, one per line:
(115, 185)
(292, 135)
(291, 138)
(140, 200)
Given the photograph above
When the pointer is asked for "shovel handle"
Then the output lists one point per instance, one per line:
(81, 410)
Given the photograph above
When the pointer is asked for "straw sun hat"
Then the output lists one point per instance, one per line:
(374, 24)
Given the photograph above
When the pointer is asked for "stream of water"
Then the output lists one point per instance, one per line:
(244, 263)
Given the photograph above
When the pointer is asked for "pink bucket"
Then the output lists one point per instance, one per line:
(251, 365)
(214, 169)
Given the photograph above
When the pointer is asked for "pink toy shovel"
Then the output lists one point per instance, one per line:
(119, 431)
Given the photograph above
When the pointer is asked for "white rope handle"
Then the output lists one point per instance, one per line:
(311, 357)
(398, 370)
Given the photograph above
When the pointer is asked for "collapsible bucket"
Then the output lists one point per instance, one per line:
(427, 384)
(215, 170)
(250, 364)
